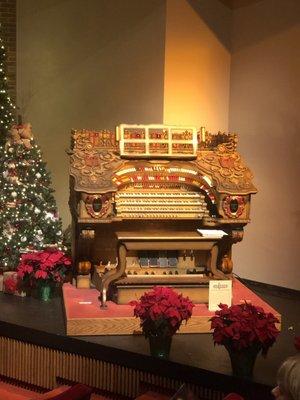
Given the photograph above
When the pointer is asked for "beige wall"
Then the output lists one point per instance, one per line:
(265, 111)
(87, 64)
(197, 65)
(96, 63)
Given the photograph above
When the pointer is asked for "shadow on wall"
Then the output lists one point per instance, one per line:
(87, 64)
(264, 19)
(269, 17)
(217, 17)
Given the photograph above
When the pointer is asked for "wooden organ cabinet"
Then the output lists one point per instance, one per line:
(138, 197)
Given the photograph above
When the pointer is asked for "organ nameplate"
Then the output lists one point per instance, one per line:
(153, 141)
(219, 292)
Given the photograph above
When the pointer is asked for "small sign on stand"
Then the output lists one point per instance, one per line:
(219, 292)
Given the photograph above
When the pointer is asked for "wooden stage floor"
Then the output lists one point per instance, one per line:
(43, 324)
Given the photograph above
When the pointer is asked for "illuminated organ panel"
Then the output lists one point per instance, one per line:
(166, 181)
(157, 141)
(160, 192)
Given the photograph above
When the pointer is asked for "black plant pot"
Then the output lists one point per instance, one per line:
(160, 346)
(242, 361)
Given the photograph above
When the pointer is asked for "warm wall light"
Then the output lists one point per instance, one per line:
(197, 71)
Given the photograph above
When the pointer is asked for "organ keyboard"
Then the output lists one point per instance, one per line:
(149, 204)
(148, 188)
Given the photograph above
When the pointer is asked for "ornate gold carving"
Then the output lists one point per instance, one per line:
(209, 141)
(84, 267)
(227, 170)
(87, 234)
(237, 235)
(94, 159)
(233, 206)
(92, 140)
(98, 206)
(226, 264)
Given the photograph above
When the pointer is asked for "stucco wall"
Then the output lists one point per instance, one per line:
(197, 64)
(264, 110)
(97, 63)
(87, 64)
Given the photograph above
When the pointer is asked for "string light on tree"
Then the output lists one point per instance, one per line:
(7, 108)
(29, 218)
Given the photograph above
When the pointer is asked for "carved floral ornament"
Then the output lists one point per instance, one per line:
(227, 170)
(94, 160)
(234, 206)
(97, 205)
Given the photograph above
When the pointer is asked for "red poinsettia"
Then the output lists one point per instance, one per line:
(10, 284)
(162, 310)
(243, 325)
(47, 265)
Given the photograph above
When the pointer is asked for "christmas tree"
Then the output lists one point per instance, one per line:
(7, 109)
(28, 213)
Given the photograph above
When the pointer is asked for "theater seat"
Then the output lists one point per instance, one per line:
(76, 392)
(233, 396)
(12, 392)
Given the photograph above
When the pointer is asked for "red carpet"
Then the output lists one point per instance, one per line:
(84, 303)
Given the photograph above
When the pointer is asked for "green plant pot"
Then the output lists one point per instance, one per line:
(160, 346)
(45, 292)
(243, 361)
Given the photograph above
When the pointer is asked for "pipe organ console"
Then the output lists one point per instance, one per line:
(157, 205)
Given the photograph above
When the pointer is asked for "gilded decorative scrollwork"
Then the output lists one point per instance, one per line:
(233, 206)
(227, 170)
(98, 206)
(237, 235)
(94, 159)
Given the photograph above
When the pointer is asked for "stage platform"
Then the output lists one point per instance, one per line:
(85, 317)
(34, 348)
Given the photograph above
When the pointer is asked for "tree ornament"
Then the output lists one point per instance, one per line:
(49, 215)
(39, 238)
(13, 179)
(25, 203)
(21, 134)
(7, 109)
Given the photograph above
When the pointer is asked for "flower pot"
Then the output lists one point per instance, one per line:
(45, 292)
(160, 346)
(242, 361)
(26, 289)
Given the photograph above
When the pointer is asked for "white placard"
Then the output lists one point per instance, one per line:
(212, 233)
(219, 292)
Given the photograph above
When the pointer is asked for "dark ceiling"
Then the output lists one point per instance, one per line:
(238, 3)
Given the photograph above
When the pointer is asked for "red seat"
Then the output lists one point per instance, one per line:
(233, 396)
(12, 392)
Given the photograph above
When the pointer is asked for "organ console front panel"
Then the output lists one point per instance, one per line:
(157, 205)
